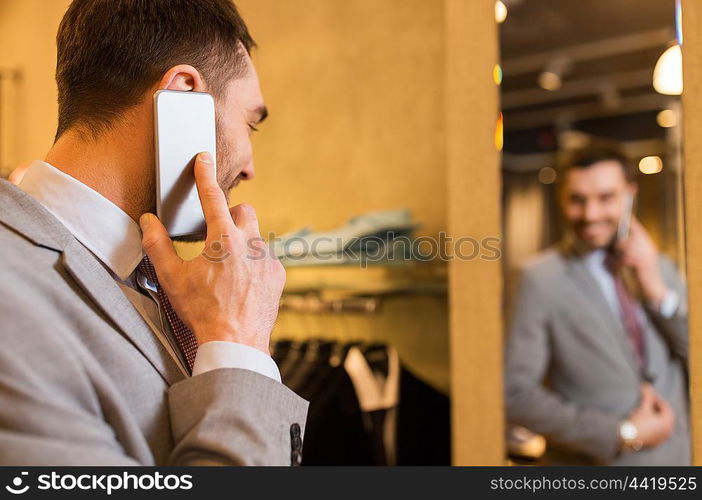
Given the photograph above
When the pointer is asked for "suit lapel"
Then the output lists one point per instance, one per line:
(102, 288)
(595, 299)
(26, 216)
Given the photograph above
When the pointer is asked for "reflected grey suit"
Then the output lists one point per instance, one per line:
(571, 373)
(84, 381)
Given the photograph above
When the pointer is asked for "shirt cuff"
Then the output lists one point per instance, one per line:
(669, 305)
(222, 354)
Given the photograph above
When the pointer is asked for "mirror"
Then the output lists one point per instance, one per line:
(594, 257)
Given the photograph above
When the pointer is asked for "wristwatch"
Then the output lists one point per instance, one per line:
(629, 436)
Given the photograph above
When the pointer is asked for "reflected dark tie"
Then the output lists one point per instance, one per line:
(184, 336)
(627, 308)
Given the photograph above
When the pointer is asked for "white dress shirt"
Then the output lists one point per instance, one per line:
(595, 262)
(115, 239)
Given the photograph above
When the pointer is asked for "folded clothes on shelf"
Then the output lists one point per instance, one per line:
(366, 253)
(372, 234)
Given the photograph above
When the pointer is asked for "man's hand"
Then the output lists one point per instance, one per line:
(654, 419)
(639, 253)
(232, 290)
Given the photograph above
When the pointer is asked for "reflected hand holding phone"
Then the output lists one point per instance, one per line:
(624, 227)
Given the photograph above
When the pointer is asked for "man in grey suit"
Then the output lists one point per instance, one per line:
(110, 357)
(596, 359)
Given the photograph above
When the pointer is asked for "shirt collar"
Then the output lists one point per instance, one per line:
(596, 258)
(100, 225)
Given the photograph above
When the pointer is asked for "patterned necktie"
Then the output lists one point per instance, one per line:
(627, 308)
(184, 336)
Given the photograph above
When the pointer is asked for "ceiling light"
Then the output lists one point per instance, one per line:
(547, 175)
(550, 81)
(499, 133)
(667, 118)
(571, 139)
(551, 78)
(667, 76)
(497, 74)
(651, 165)
(500, 12)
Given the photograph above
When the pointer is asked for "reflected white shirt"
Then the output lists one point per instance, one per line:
(115, 239)
(595, 262)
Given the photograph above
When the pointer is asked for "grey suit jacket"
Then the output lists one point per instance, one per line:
(83, 380)
(571, 373)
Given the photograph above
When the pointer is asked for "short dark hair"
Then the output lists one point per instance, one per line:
(590, 155)
(109, 52)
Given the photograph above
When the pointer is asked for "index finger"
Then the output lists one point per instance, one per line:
(212, 198)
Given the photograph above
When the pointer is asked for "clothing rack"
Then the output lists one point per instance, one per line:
(366, 407)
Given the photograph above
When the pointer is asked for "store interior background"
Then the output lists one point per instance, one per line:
(358, 95)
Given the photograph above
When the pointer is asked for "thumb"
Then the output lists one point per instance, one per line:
(157, 244)
(244, 217)
(648, 396)
(665, 411)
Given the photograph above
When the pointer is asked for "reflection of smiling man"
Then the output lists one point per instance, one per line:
(596, 357)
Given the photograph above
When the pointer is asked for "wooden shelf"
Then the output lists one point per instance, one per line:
(335, 281)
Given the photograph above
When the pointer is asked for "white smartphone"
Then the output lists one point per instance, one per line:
(625, 218)
(184, 125)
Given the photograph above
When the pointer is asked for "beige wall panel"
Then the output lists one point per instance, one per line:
(474, 210)
(27, 43)
(355, 93)
(692, 116)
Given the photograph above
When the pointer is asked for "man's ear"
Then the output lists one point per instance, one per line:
(182, 77)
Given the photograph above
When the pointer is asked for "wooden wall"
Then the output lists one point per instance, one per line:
(474, 202)
(692, 130)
